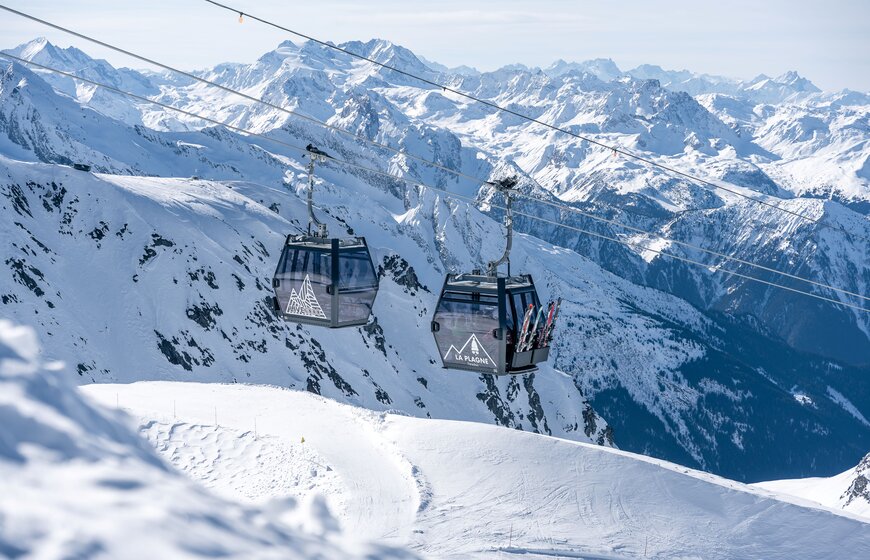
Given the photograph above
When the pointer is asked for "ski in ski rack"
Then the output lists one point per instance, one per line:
(535, 335)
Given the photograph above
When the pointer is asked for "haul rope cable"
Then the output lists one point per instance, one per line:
(431, 163)
(556, 128)
(447, 194)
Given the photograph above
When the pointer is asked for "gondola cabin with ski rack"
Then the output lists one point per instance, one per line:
(478, 324)
(324, 281)
(490, 323)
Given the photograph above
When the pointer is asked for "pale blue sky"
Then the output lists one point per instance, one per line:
(827, 41)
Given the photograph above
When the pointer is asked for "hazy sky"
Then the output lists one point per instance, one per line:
(827, 41)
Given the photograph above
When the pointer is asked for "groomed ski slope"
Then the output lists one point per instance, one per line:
(450, 489)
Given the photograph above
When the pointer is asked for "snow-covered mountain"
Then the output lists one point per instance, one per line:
(602, 68)
(456, 490)
(79, 482)
(703, 369)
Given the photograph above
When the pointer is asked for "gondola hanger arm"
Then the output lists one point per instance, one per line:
(315, 155)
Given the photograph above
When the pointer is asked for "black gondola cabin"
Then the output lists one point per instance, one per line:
(484, 323)
(477, 323)
(326, 282)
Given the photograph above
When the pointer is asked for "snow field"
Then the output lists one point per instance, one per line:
(450, 489)
(75, 482)
(830, 492)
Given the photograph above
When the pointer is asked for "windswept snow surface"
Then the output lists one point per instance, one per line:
(450, 489)
(849, 490)
(79, 483)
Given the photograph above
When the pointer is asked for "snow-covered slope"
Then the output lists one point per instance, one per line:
(154, 278)
(466, 490)
(726, 347)
(849, 490)
(143, 278)
(79, 483)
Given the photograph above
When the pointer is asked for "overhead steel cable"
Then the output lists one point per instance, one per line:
(616, 149)
(423, 160)
(445, 192)
(698, 248)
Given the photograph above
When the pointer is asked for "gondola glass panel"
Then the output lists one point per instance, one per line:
(302, 284)
(357, 285)
(466, 335)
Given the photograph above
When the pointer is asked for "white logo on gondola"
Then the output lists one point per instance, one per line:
(472, 353)
(305, 303)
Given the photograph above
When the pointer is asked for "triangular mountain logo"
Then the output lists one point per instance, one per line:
(305, 303)
(472, 353)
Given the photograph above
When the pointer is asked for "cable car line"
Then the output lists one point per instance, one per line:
(419, 158)
(493, 105)
(417, 183)
(698, 248)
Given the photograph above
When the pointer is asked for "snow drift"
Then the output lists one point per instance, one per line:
(78, 482)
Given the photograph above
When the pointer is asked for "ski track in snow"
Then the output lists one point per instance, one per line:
(450, 489)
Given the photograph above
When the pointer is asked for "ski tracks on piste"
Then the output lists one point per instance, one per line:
(417, 490)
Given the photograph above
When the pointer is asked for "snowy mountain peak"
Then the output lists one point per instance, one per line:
(31, 48)
(45, 52)
(515, 67)
(71, 59)
(797, 82)
(387, 52)
(653, 71)
(602, 68)
(285, 47)
(461, 70)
